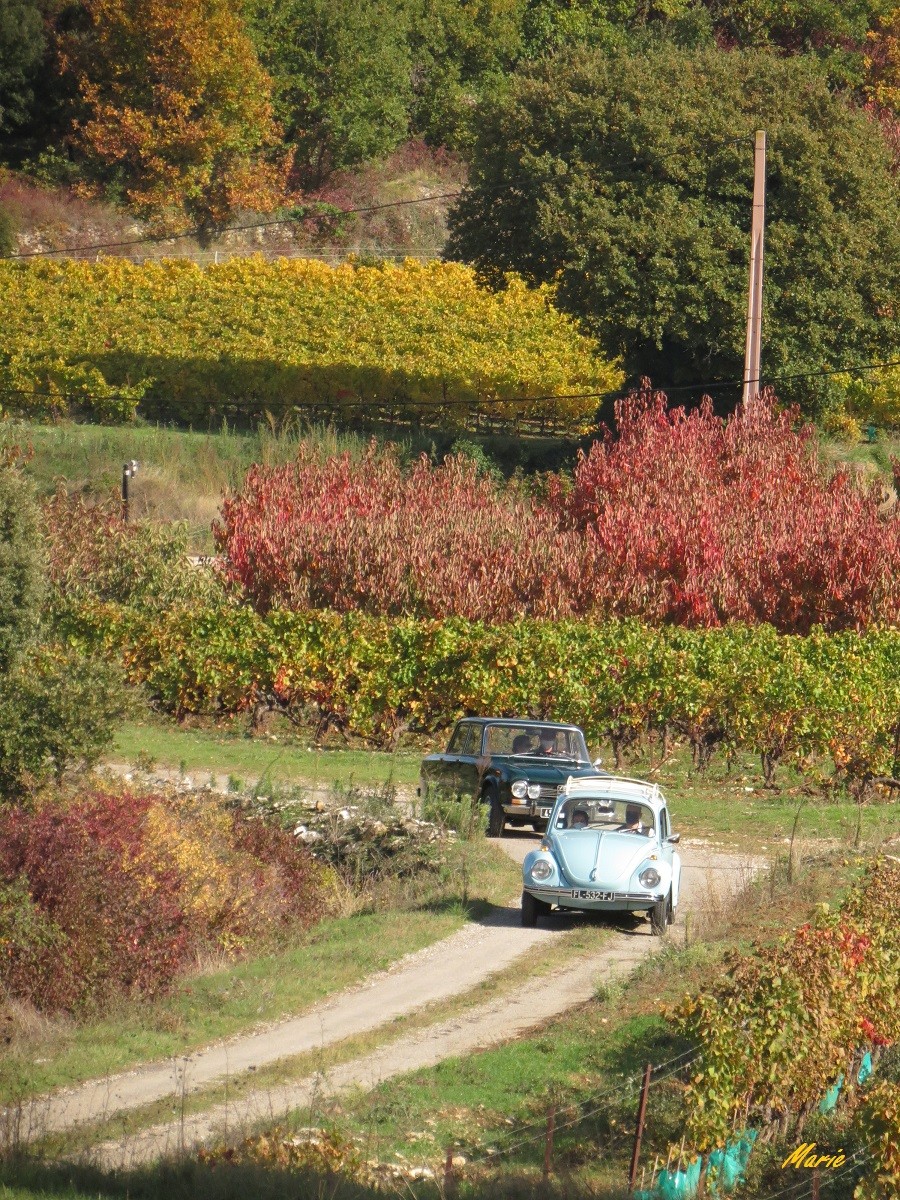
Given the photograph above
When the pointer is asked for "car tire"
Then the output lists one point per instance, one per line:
(496, 816)
(659, 916)
(539, 826)
(671, 911)
(532, 908)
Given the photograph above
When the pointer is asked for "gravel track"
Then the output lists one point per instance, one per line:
(449, 968)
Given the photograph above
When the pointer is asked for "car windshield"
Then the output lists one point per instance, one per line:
(623, 816)
(536, 741)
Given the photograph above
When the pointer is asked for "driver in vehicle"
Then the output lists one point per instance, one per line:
(579, 819)
(546, 746)
(633, 821)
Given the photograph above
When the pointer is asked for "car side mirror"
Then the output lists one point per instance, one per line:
(598, 762)
(674, 838)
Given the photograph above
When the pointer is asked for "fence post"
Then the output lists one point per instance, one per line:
(548, 1141)
(448, 1172)
(815, 1183)
(639, 1128)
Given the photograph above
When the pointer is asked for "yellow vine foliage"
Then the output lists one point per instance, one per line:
(252, 337)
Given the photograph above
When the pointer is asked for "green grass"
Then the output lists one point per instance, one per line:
(182, 473)
(725, 803)
(221, 1002)
(228, 750)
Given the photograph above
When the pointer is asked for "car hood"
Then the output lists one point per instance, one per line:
(600, 858)
(544, 772)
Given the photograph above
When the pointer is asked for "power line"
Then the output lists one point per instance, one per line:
(336, 214)
(452, 402)
(157, 238)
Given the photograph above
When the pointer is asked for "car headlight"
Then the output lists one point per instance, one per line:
(534, 791)
(541, 869)
(649, 877)
(520, 789)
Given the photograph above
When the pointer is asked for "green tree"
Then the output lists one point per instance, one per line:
(57, 708)
(342, 77)
(22, 45)
(22, 568)
(460, 52)
(627, 180)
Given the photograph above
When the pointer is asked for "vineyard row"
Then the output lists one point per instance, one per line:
(737, 687)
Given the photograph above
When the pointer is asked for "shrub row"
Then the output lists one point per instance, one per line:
(782, 1024)
(114, 894)
(682, 517)
(740, 686)
(250, 337)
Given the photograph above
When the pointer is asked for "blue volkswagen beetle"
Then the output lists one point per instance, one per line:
(609, 847)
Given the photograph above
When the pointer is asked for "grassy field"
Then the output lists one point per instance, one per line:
(223, 999)
(276, 758)
(726, 804)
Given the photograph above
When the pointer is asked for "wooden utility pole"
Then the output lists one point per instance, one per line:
(753, 352)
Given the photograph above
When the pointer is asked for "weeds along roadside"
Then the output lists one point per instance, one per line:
(399, 894)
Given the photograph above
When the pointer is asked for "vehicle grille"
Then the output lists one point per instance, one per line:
(548, 793)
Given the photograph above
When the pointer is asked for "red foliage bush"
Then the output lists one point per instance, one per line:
(682, 517)
(90, 910)
(699, 521)
(334, 533)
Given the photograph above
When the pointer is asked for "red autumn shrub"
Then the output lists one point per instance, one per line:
(699, 520)
(334, 533)
(116, 894)
(680, 517)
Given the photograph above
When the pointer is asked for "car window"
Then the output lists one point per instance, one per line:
(535, 741)
(461, 735)
(472, 741)
(663, 824)
(614, 815)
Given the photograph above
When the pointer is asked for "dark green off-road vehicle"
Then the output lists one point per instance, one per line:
(515, 767)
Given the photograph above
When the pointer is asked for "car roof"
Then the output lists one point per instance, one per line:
(516, 721)
(614, 787)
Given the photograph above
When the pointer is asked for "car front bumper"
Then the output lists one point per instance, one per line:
(595, 899)
(536, 810)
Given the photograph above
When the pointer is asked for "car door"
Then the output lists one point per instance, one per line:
(666, 849)
(439, 770)
(467, 775)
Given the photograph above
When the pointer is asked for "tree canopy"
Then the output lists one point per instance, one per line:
(176, 109)
(21, 50)
(627, 179)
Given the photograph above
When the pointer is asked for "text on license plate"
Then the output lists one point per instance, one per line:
(590, 894)
(545, 813)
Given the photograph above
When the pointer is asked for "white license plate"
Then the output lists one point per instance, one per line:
(545, 813)
(590, 894)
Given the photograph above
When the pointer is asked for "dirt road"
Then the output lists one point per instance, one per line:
(452, 967)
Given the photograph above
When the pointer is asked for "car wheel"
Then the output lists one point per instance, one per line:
(496, 815)
(672, 910)
(531, 910)
(539, 826)
(659, 916)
